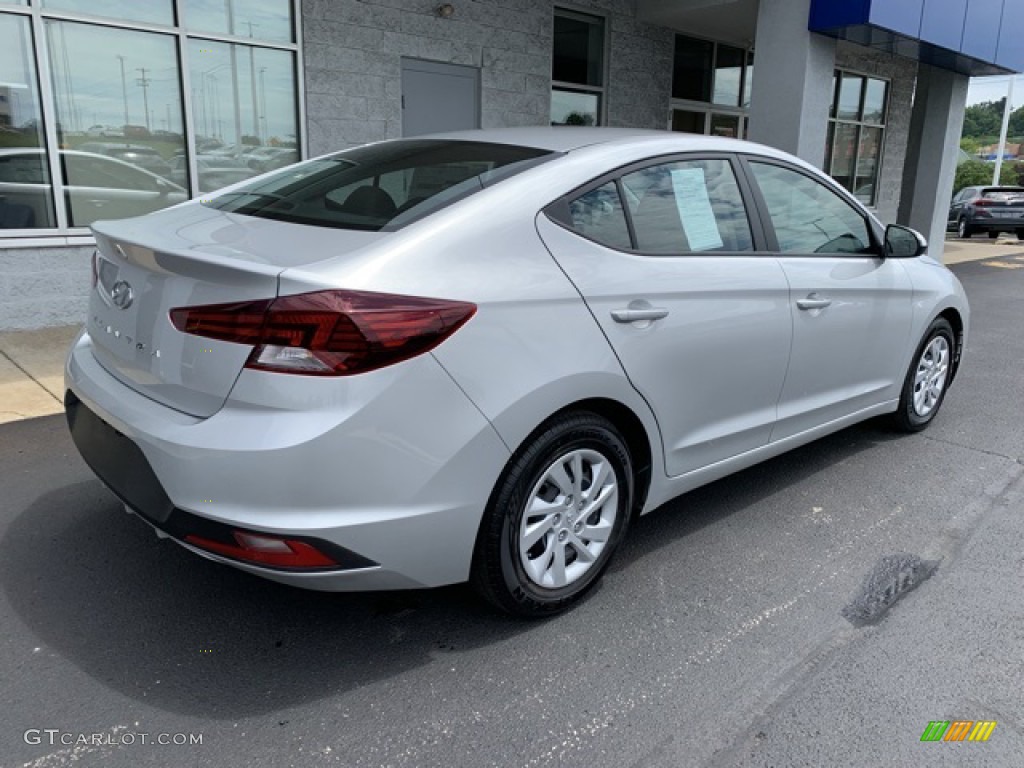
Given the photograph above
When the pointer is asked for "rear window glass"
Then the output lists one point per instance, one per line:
(1003, 193)
(381, 186)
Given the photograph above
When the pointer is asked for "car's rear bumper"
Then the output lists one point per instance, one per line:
(1000, 224)
(397, 504)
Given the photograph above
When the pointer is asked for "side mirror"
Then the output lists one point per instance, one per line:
(903, 243)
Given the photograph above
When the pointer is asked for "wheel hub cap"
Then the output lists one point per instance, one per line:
(930, 377)
(568, 519)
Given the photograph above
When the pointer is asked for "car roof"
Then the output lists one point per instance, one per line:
(569, 138)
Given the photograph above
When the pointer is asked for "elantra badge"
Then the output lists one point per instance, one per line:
(121, 295)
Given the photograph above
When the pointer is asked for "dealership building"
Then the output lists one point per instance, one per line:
(113, 108)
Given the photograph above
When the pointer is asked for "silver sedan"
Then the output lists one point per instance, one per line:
(478, 356)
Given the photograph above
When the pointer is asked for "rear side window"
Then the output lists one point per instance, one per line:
(693, 206)
(599, 216)
(381, 186)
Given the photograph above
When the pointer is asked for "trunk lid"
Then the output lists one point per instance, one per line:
(191, 256)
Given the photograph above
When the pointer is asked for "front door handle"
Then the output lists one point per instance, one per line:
(814, 301)
(637, 315)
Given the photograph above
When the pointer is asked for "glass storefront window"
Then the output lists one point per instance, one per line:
(26, 197)
(578, 49)
(856, 133)
(117, 94)
(243, 105)
(147, 11)
(849, 97)
(728, 75)
(577, 69)
(256, 19)
(748, 80)
(116, 141)
(692, 70)
(688, 121)
(727, 126)
(574, 107)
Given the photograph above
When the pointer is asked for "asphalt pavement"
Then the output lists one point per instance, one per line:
(716, 639)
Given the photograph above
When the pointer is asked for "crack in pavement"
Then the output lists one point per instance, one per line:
(1016, 460)
(34, 380)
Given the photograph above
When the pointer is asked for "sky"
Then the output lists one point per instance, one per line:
(993, 89)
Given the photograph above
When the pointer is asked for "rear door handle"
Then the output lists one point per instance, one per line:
(637, 315)
(814, 301)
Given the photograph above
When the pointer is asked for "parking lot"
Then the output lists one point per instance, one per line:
(715, 639)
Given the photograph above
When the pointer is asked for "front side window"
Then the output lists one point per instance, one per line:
(856, 133)
(380, 186)
(577, 69)
(692, 206)
(807, 216)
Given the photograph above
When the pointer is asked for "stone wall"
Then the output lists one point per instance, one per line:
(353, 51)
(44, 287)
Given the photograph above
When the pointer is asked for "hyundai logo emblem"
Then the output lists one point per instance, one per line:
(121, 295)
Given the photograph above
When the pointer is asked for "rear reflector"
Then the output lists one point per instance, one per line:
(328, 333)
(266, 550)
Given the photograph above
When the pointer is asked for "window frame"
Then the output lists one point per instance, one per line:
(64, 234)
(558, 210)
(875, 230)
(586, 15)
(834, 120)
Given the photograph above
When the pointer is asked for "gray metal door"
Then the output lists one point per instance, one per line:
(439, 97)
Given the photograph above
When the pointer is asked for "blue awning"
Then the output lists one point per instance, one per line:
(974, 37)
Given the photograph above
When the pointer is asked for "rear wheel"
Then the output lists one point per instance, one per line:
(963, 229)
(555, 518)
(1020, 234)
(925, 386)
(993, 235)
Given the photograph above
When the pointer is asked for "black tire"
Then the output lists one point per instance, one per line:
(964, 230)
(498, 573)
(993, 235)
(907, 417)
(1020, 234)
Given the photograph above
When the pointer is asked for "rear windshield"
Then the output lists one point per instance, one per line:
(1003, 193)
(381, 186)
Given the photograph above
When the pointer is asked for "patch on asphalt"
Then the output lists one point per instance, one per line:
(891, 578)
(1002, 264)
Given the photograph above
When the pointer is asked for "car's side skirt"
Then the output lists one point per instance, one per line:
(667, 488)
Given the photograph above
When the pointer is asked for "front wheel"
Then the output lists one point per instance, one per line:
(555, 518)
(963, 229)
(925, 386)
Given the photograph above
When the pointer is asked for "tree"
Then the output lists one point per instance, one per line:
(971, 174)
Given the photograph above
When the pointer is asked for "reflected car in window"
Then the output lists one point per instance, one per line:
(479, 356)
(96, 187)
(144, 157)
(215, 171)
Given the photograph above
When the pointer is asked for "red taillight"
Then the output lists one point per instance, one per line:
(986, 202)
(266, 550)
(328, 333)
